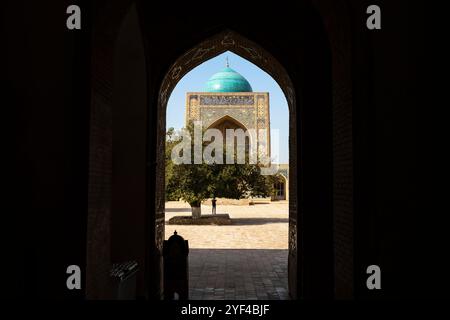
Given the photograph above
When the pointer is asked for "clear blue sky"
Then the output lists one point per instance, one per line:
(195, 80)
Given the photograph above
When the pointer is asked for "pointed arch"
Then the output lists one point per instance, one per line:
(229, 118)
(229, 40)
(306, 57)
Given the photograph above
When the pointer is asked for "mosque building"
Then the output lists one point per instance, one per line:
(228, 102)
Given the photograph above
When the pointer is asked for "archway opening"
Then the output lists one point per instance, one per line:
(311, 58)
(281, 189)
(239, 244)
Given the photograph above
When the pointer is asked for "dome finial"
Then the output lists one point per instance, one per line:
(228, 64)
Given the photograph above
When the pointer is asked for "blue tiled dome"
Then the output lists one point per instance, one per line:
(227, 80)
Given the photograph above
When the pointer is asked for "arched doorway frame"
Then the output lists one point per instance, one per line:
(229, 40)
(336, 18)
(284, 181)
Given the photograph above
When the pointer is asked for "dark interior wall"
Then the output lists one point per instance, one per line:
(386, 230)
(336, 19)
(395, 181)
(107, 18)
(46, 69)
(129, 121)
(316, 159)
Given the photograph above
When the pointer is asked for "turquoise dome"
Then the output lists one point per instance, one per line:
(227, 80)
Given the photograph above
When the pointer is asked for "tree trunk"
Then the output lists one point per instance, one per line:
(196, 212)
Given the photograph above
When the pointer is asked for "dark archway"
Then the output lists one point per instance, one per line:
(281, 188)
(312, 59)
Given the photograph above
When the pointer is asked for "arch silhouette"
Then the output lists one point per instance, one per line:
(326, 36)
(227, 40)
(282, 179)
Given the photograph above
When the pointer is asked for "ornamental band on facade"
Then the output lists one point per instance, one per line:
(226, 100)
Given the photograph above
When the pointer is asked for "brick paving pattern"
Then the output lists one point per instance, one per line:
(244, 261)
(238, 274)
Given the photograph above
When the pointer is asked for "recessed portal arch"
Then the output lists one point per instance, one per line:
(281, 188)
(227, 122)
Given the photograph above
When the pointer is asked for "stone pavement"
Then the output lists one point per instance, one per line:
(261, 226)
(245, 260)
(238, 274)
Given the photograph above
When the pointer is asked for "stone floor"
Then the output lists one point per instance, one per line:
(238, 274)
(245, 260)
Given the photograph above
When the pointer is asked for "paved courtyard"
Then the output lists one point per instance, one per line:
(245, 260)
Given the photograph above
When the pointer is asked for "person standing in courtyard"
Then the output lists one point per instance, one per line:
(213, 201)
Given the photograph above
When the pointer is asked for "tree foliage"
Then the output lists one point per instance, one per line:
(194, 183)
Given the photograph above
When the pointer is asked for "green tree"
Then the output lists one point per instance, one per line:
(195, 183)
(171, 140)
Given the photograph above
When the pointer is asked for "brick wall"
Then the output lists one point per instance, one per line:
(100, 163)
(107, 18)
(336, 18)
